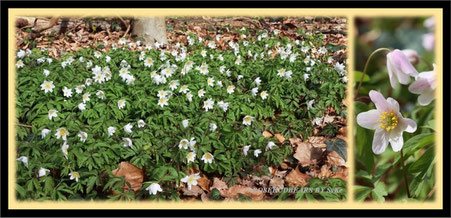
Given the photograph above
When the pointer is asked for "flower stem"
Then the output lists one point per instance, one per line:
(366, 66)
(405, 175)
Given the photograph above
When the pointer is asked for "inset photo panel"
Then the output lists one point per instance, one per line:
(395, 109)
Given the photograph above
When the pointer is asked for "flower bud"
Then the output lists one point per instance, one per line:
(412, 56)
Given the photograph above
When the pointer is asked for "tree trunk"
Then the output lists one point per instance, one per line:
(151, 29)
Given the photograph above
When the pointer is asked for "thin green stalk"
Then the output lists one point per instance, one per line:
(405, 175)
(366, 66)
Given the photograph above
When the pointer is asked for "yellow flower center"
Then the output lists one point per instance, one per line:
(208, 156)
(162, 101)
(247, 119)
(48, 85)
(388, 120)
(191, 179)
(63, 132)
(75, 175)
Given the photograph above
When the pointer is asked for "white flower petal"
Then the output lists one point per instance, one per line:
(380, 141)
(378, 99)
(426, 98)
(369, 119)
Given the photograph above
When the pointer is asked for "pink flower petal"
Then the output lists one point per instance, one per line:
(394, 104)
(419, 86)
(380, 141)
(426, 98)
(396, 140)
(369, 119)
(403, 64)
(408, 125)
(378, 99)
(391, 70)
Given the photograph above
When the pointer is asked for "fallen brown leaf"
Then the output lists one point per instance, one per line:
(335, 159)
(235, 190)
(204, 183)
(267, 134)
(303, 152)
(132, 174)
(218, 184)
(195, 191)
(280, 137)
(296, 178)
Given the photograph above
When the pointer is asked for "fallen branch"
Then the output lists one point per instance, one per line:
(23, 125)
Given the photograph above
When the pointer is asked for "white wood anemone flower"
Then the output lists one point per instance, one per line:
(247, 120)
(190, 157)
(111, 130)
(425, 87)
(230, 89)
(184, 143)
(207, 157)
(263, 95)
(67, 92)
(399, 68)
(52, 113)
(44, 132)
(387, 121)
(128, 128)
(257, 152)
(208, 104)
(62, 133)
(74, 175)
(270, 145)
(42, 172)
(64, 149)
(82, 106)
(24, 160)
(191, 180)
(47, 86)
(127, 142)
(121, 103)
(141, 123)
(185, 123)
(83, 136)
(246, 149)
(154, 188)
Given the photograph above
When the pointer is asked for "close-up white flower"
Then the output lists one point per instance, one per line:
(127, 142)
(74, 175)
(85, 97)
(263, 95)
(388, 122)
(247, 120)
(42, 172)
(190, 157)
(246, 149)
(111, 130)
(20, 64)
(207, 157)
(24, 160)
(270, 145)
(128, 128)
(185, 123)
(399, 68)
(67, 92)
(223, 105)
(148, 62)
(208, 104)
(192, 142)
(141, 123)
(230, 89)
(424, 86)
(82, 106)
(191, 180)
(83, 136)
(44, 132)
(163, 101)
(201, 93)
(210, 81)
(257, 152)
(154, 188)
(184, 143)
(52, 113)
(47, 86)
(46, 73)
(64, 149)
(121, 103)
(213, 127)
(62, 133)
(100, 94)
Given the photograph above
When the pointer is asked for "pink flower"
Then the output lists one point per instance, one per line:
(429, 41)
(387, 121)
(424, 86)
(429, 23)
(399, 68)
(412, 56)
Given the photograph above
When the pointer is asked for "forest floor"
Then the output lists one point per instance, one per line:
(69, 35)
